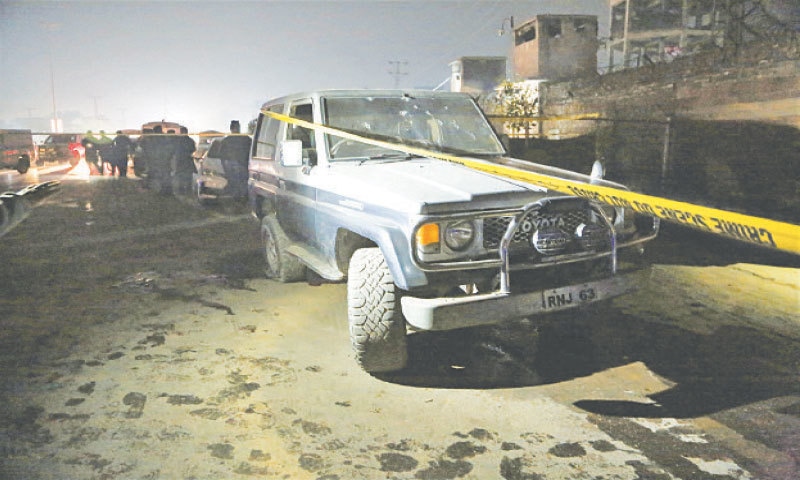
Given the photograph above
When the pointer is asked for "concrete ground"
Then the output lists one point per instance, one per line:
(139, 339)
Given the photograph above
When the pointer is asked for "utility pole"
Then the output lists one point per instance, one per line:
(96, 111)
(397, 72)
(55, 123)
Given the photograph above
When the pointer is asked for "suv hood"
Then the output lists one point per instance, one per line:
(430, 186)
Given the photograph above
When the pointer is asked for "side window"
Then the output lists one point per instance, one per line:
(303, 111)
(266, 136)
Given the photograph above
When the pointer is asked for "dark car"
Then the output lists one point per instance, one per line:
(61, 147)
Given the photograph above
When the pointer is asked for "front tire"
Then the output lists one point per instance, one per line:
(377, 327)
(278, 264)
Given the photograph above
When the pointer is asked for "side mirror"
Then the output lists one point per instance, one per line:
(291, 153)
(598, 171)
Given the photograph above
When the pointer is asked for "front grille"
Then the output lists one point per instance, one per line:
(568, 221)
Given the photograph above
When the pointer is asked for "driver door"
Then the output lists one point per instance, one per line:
(296, 194)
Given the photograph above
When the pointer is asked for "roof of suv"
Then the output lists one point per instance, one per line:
(361, 93)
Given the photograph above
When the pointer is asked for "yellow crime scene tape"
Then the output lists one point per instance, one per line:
(746, 228)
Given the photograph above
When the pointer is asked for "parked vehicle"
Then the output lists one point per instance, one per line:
(426, 244)
(222, 169)
(18, 150)
(205, 139)
(61, 147)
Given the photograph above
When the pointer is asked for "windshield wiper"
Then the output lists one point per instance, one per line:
(396, 156)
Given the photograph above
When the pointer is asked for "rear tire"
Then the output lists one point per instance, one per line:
(377, 326)
(278, 264)
(197, 190)
(23, 164)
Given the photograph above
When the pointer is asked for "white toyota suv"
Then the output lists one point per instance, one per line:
(425, 244)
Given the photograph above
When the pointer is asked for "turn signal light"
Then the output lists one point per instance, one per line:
(428, 238)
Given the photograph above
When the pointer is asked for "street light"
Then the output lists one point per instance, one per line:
(510, 58)
(502, 30)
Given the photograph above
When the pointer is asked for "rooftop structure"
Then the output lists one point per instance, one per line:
(476, 75)
(555, 47)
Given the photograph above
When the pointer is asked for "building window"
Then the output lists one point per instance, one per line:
(525, 35)
(554, 28)
(584, 27)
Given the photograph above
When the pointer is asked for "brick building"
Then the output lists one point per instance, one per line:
(556, 47)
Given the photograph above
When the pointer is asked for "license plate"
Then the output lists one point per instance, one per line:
(567, 297)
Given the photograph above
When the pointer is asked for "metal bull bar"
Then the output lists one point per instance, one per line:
(516, 221)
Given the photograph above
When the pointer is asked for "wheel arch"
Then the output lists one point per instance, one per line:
(393, 245)
(263, 205)
(347, 242)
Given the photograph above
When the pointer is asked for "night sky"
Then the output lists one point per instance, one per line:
(118, 64)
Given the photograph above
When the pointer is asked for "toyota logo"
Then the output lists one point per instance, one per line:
(549, 241)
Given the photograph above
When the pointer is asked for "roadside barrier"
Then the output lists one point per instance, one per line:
(746, 228)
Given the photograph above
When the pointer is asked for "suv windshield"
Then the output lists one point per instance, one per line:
(63, 138)
(451, 124)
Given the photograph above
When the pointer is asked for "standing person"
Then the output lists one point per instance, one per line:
(104, 149)
(142, 152)
(89, 143)
(182, 163)
(160, 149)
(120, 149)
(234, 153)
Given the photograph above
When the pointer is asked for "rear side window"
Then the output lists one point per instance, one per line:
(266, 137)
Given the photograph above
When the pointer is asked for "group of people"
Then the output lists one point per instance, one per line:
(104, 151)
(166, 157)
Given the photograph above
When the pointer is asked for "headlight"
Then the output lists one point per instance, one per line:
(458, 235)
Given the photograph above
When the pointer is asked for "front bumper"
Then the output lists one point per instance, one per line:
(490, 308)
